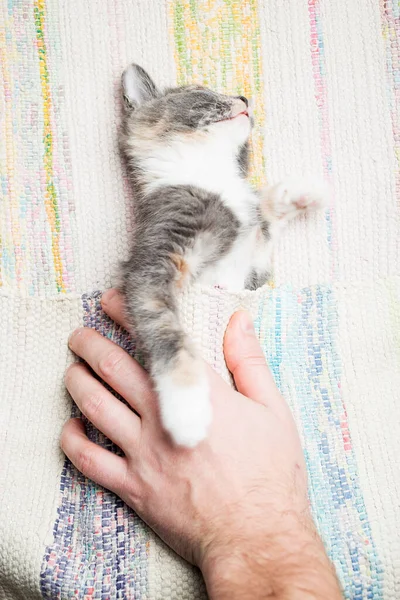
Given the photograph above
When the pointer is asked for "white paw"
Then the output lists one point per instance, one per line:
(185, 409)
(294, 196)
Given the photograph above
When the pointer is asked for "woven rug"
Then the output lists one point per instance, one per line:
(325, 77)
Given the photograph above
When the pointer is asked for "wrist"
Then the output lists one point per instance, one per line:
(287, 565)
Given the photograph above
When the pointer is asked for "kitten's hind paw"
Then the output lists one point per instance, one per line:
(185, 406)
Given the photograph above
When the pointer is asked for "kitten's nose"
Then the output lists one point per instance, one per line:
(239, 106)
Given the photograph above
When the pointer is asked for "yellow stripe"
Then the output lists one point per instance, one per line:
(51, 202)
(217, 43)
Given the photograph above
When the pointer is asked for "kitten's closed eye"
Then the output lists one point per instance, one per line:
(185, 109)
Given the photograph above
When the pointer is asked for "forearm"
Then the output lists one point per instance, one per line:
(290, 566)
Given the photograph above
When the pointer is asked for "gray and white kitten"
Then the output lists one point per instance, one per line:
(196, 219)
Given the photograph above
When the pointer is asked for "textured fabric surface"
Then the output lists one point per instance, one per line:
(325, 79)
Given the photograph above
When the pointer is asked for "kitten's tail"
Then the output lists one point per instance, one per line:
(178, 372)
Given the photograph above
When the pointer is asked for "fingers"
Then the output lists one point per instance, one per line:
(107, 413)
(92, 460)
(246, 362)
(112, 303)
(115, 367)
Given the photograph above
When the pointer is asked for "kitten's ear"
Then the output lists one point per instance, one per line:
(137, 87)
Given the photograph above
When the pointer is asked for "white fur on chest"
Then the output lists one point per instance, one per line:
(209, 165)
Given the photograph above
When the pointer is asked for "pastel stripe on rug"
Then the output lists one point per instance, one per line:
(298, 331)
(336, 492)
(218, 45)
(321, 98)
(36, 249)
(390, 11)
(100, 547)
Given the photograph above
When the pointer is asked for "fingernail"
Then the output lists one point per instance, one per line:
(108, 296)
(74, 334)
(246, 323)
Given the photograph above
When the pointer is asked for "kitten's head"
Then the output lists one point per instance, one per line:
(188, 113)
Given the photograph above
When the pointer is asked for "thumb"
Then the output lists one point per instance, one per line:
(245, 360)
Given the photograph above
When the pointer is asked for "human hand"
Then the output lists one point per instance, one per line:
(238, 501)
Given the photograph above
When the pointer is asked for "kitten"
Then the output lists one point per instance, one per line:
(196, 219)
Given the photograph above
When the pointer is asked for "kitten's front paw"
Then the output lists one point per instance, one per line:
(292, 197)
(185, 408)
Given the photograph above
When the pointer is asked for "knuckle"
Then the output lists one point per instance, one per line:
(110, 364)
(251, 360)
(135, 496)
(92, 405)
(85, 461)
(255, 360)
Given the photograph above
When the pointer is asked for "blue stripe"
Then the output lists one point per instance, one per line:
(299, 332)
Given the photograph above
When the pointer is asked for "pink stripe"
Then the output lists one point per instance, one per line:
(390, 12)
(321, 97)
